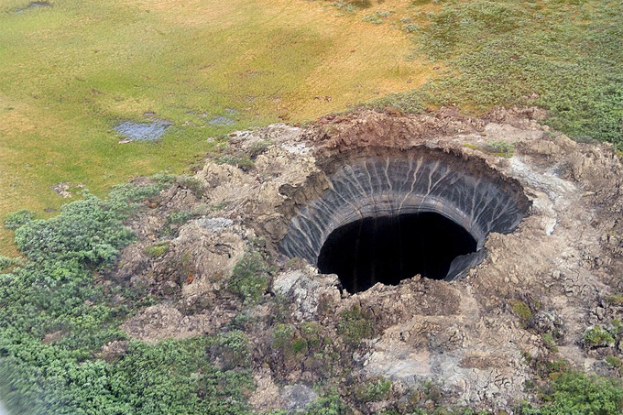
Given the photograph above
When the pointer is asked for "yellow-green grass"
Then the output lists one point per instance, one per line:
(70, 73)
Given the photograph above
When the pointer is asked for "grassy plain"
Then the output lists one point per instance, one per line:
(71, 72)
(562, 55)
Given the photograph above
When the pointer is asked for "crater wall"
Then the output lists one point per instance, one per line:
(391, 182)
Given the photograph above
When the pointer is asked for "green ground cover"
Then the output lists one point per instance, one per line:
(564, 56)
(71, 72)
(55, 317)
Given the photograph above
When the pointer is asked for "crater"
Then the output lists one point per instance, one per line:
(389, 249)
(386, 215)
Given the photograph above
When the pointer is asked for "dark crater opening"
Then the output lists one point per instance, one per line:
(389, 249)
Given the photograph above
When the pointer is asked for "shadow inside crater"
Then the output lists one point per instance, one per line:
(389, 249)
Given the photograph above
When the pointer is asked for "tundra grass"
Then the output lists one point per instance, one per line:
(561, 55)
(69, 73)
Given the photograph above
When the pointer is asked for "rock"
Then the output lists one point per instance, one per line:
(160, 322)
(62, 189)
(298, 397)
(170, 288)
(213, 224)
(266, 396)
(114, 350)
(306, 288)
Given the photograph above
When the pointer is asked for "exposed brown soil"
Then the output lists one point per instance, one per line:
(552, 278)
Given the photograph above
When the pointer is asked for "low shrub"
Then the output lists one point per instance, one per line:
(174, 221)
(250, 278)
(579, 394)
(598, 336)
(16, 219)
(194, 185)
(88, 231)
(258, 148)
(242, 161)
(501, 148)
(6, 262)
(56, 316)
(355, 325)
(374, 390)
(329, 405)
(233, 349)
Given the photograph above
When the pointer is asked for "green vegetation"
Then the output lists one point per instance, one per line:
(614, 299)
(157, 249)
(355, 325)
(523, 311)
(56, 316)
(243, 162)
(330, 405)
(285, 338)
(192, 184)
(378, 390)
(298, 341)
(306, 346)
(598, 336)
(351, 6)
(377, 17)
(258, 148)
(73, 71)
(233, 349)
(250, 278)
(445, 411)
(16, 219)
(614, 362)
(550, 342)
(58, 313)
(562, 391)
(175, 221)
(581, 394)
(497, 148)
(6, 263)
(70, 73)
(563, 56)
(501, 148)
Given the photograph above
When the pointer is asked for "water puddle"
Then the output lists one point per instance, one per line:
(141, 131)
(222, 121)
(35, 5)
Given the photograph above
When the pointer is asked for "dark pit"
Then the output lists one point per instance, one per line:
(390, 215)
(389, 249)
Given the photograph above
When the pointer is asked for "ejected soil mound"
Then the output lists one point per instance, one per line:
(543, 212)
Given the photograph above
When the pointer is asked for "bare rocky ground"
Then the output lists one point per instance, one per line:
(482, 341)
